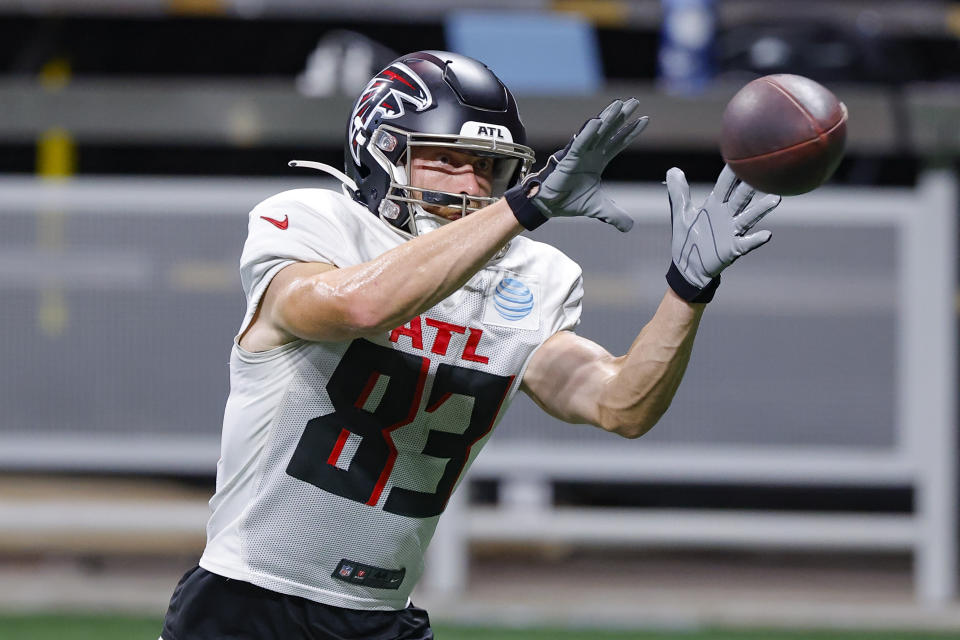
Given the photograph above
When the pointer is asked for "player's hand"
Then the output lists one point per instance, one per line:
(569, 184)
(707, 239)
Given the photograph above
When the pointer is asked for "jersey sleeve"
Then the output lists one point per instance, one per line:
(561, 284)
(572, 306)
(563, 292)
(294, 226)
(564, 289)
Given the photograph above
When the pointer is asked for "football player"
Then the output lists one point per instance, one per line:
(388, 328)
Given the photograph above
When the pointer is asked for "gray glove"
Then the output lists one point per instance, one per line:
(708, 239)
(569, 184)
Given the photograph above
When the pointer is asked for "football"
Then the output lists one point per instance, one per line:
(784, 134)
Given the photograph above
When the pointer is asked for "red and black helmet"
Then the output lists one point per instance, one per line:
(431, 98)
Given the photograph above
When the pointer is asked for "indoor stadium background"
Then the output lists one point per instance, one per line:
(804, 478)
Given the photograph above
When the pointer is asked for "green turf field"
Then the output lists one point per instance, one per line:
(92, 627)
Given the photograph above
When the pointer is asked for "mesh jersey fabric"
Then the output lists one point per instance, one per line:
(337, 458)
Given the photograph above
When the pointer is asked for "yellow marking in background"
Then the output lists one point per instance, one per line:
(56, 160)
(603, 13)
(203, 277)
(953, 18)
(197, 7)
(55, 75)
(56, 154)
(244, 124)
(52, 315)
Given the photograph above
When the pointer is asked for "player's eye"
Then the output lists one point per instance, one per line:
(483, 165)
(444, 159)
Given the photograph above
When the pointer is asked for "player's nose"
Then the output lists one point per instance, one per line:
(469, 183)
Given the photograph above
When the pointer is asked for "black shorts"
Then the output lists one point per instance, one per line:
(206, 606)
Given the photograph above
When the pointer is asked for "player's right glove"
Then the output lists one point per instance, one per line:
(569, 184)
(707, 239)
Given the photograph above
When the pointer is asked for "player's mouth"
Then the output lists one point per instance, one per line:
(447, 213)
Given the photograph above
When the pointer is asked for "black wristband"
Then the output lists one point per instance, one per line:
(523, 208)
(687, 291)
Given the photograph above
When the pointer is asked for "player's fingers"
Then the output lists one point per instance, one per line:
(628, 110)
(627, 134)
(726, 183)
(741, 197)
(610, 109)
(631, 106)
(678, 191)
(613, 214)
(585, 137)
(753, 214)
(746, 244)
(610, 120)
(595, 121)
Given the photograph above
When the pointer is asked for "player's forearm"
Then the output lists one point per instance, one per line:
(649, 374)
(389, 290)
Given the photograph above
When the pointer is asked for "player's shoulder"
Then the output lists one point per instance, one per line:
(317, 202)
(542, 259)
(316, 225)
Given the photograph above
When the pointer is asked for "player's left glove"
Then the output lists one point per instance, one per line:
(569, 184)
(708, 239)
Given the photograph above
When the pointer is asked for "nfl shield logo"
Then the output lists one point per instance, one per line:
(346, 570)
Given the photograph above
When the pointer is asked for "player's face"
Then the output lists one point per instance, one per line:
(451, 170)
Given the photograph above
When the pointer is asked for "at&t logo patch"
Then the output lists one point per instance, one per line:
(513, 301)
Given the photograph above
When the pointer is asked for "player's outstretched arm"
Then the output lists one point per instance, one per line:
(318, 302)
(578, 381)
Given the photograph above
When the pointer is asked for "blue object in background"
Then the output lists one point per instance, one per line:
(545, 53)
(685, 61)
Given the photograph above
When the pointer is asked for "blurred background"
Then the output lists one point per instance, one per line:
(805, 475)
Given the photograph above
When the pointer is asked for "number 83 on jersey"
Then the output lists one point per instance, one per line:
(315, 459)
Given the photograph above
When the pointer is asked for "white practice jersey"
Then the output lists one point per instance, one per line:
(338, 458)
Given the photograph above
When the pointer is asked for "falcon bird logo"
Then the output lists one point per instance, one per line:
(385, 94)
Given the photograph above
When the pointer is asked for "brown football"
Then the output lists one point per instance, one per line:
(784, 134)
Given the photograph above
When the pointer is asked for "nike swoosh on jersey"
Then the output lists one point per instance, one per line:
(277, 223)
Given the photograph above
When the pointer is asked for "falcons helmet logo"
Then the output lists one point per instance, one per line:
(385, 94)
